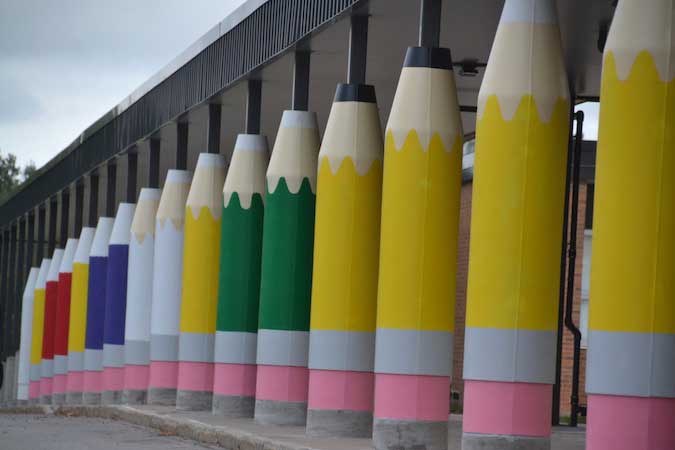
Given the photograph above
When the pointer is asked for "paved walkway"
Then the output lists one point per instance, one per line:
(245, 434)
(39, 432)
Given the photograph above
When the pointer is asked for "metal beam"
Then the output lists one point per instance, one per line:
(93, 200)
(430, 23)
(182, 129)
(132, 175)
(41, 226)
(153, 163)
(358, 49)
(300, 100)
(253, 105)
(53, 215)
(111, 188)
(213, 128)
(65, 216)
(4, 290)
(79, 207)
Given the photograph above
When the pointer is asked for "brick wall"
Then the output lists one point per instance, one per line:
(460, 308)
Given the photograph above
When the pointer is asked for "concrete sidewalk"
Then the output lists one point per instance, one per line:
(245, 434)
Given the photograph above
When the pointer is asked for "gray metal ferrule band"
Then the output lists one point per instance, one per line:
(235, 347)
(35, 372)
(631, 364)
(196, 347)
(93, 360)
(113, 355)
(137, 353)
(47, 368)
(509, 355)
(413, 352)
(164, 347)
(283, 348)
(75, 361)
(60, 365)
(342, 350)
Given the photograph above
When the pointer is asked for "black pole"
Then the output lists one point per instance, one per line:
(153, 165)
(111, 187)
(430, 23)
(79, 207)
(30, 248)
(358, 49)
(93, 199)
(253, 104)
(132, 175)
(300, 101)
(213, 129)
(571, 259)
(65, 216)
(3, 296)
(181, 145)
(51, 240)
(21, 279)
(41, 233)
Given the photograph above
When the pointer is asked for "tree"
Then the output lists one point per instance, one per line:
(11, 175)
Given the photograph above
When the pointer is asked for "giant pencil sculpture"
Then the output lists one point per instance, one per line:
(38, 332)
(200, 284)
(286, 274)
(61, 323)
(27, 301)
(115, 305)
(346, 252)
(630, 378)
(514, 265)
(167, 280)
(239, 280)
(416, 293)
(96, 290)
(77, 324)
(139, 298)
(51, 297)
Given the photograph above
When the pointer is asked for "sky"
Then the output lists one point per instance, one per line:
(65, 63)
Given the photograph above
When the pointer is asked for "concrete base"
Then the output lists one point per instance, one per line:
(74, 398)
(231, 406)
(21, 403)
(162, 396)
(45, 400)
(391, 434)
(272, 412)
(58, 399)
(474, 441)
(33, 402)
(111, 397)
(130, 397)
(194, 400)
(9, 381)
(341, 423)
(91, 398)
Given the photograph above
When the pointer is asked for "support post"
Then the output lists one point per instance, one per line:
(111, 186)
(253, 102)
(153, 164)
(182, 129)
(93, 200)
(132, 175)
(300, 101)
(65, 216)
(430, 23)
(53, 216)
(213, 129)
(42, 213)
(79, 207)
(358, 49)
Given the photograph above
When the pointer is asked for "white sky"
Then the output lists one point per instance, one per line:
(65, 63)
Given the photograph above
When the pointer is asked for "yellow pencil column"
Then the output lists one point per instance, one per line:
(38, 331)
(199, 300)
(517, 214)
(630, 378)
(418, 253)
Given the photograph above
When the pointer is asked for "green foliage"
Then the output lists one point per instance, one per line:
(11, 175)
